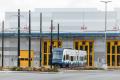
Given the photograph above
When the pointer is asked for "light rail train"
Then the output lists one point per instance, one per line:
(68, 57)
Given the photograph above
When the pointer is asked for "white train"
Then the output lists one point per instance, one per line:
(68, 57)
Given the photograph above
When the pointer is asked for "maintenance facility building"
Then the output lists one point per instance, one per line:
(79, 28)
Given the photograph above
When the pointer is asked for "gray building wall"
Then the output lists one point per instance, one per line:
(99, 52)
(68, 44)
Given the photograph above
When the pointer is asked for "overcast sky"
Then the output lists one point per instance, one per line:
(24, 5)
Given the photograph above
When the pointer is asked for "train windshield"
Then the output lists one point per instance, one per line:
(57, 55)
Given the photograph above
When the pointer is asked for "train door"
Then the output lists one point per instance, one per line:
(88, 46)
(24, 58)
(46, 51)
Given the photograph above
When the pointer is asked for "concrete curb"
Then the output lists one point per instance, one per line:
(28, 72)
(61, 71)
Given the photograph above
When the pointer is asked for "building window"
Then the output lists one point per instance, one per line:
(118, 49)
(113, 60)
(86, 48)
(113, 49)
(81, 47)
(76, 45)
(115, 43)
(90, 47)
(45, 47)
(118, 60)
(45, 59)
(108, 47)
(49, 55)
(108, 60)
(90, 43)
(90, 60)
(49, 49)
(83, 43)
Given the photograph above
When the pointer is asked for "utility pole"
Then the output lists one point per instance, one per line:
(18, 38)
(51, 41)
(58, 37)
(40, 38)
(105, 2)
(2, 43)
(29, 38)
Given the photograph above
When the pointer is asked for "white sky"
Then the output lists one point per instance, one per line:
(24, 5)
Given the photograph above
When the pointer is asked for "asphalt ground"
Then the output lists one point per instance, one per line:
(63, 75)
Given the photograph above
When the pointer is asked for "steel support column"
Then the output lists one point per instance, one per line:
(51, 41)
(18, 38)
(29, 38)
(2, 43)
(40, 38)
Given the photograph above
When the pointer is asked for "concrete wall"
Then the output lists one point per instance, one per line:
(99, 50)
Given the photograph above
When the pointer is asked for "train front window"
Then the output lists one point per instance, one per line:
(81, 58)
(67, 57)
(57, 55)
(71, 58)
